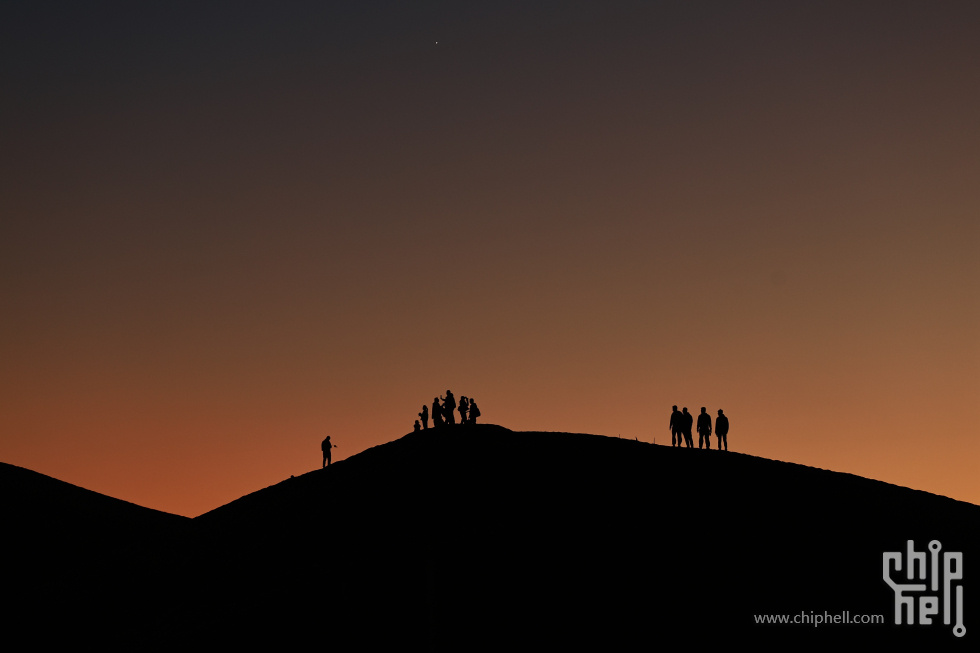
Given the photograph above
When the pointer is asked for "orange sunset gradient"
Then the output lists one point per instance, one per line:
(226, 236)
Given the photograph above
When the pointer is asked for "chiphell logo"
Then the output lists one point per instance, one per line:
(949, 566)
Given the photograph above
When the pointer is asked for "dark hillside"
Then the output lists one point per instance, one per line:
(479, 536)
(82, 566)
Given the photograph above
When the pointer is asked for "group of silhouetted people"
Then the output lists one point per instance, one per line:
(682, 423)
(444, 413)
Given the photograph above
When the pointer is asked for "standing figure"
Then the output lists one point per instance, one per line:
(474, 411)
(721, 429)
(676, 428)
(449, 408)
(425, 416)
(325, 447)
(436, 413)
(704, 429)
(464, 406)
(688, 423)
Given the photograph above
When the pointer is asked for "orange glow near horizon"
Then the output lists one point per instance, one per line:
(210, 262)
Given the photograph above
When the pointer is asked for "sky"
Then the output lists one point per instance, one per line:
(229, 229)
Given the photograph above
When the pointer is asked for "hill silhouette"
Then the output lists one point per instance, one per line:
(477, 537)
(80, 564)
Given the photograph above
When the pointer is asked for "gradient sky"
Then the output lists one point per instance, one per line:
(229, 229)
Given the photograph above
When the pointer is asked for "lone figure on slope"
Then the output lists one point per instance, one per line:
(325, 447)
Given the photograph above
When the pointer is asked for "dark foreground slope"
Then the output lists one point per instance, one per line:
(483, 538)
(79, 566)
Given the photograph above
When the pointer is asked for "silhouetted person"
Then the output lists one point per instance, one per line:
(721, 429)
(704, 429)
(436, 413)
(676, 428)
(449, 408)
(418, 427)
(325, 447)
(464, 406)
(687, 424)
(425, 416)
(474, 411)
